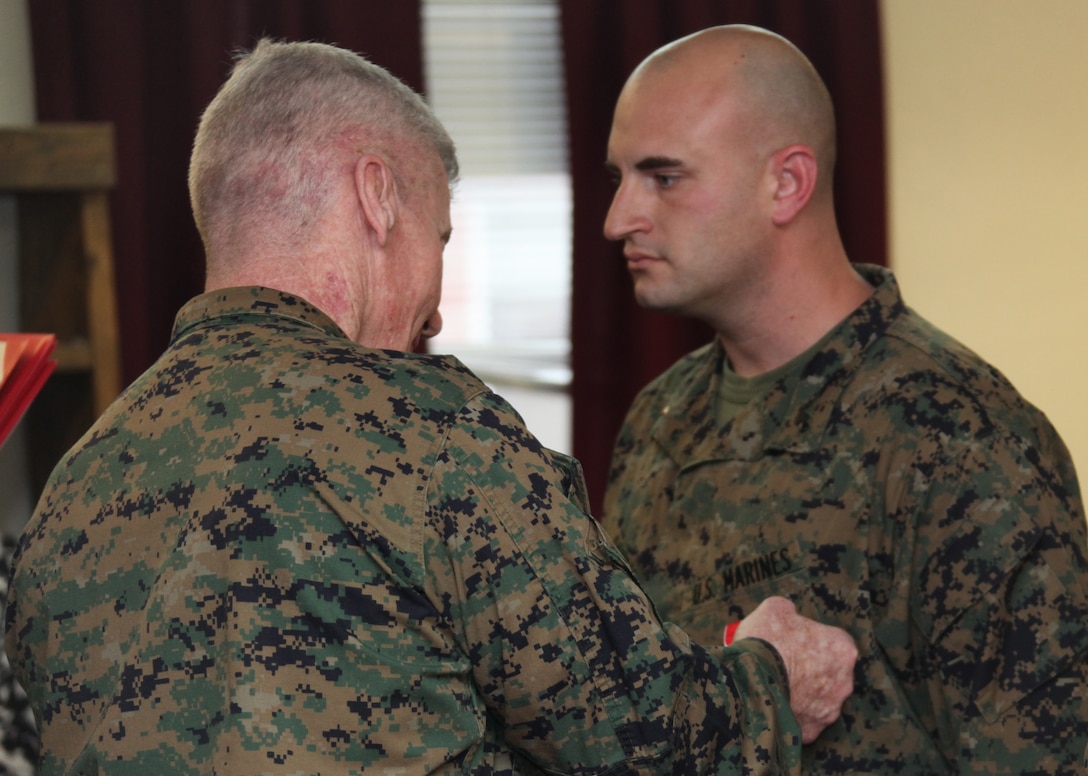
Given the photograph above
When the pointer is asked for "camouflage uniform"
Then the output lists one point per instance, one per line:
(280, 552)
(895, 485)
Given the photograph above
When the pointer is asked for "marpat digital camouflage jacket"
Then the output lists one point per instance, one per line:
(280, 552)
(897, 486)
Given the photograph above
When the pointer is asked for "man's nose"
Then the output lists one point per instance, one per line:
(622, 219)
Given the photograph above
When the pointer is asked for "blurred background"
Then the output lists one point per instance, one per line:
(961, 123)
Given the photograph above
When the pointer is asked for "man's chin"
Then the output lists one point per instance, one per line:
(661, 304)
(646, 297)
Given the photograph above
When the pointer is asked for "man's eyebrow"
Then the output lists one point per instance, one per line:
(657, 162)
(649, 164)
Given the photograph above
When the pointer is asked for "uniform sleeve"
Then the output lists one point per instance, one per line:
(1001, 585)
(568, 653)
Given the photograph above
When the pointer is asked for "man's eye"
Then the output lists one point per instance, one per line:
(665, 181)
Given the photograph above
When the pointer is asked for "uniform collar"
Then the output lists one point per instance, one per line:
(797, 409)
(246, 302)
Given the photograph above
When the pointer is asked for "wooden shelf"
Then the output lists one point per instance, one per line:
(60, 176)
(57, 157)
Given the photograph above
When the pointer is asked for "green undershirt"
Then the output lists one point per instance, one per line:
(736, 392)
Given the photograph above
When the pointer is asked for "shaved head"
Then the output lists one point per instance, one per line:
(779, 97)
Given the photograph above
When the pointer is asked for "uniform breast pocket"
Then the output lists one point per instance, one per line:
(878, 717)
(733, 589)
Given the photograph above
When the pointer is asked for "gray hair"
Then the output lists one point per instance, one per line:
(269, 139)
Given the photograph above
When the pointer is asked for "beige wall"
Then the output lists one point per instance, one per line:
(987, 106)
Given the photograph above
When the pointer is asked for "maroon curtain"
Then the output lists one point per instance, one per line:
(617, 347)
(150, 67)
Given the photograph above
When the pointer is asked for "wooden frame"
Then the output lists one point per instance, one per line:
(60, 176)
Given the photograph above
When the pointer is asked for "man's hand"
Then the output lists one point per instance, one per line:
(819, 661)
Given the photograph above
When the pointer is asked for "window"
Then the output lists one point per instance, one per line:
(494, 78)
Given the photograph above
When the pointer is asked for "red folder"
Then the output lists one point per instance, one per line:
(25, 365)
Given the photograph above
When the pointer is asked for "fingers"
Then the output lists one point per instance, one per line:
(819, 661)
(832, 681)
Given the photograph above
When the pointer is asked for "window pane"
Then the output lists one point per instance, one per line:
(494, 78)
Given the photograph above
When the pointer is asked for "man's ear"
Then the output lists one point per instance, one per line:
(795, 172)
(377, 192)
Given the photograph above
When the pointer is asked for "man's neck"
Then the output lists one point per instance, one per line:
(792, 320)
(321, 286)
